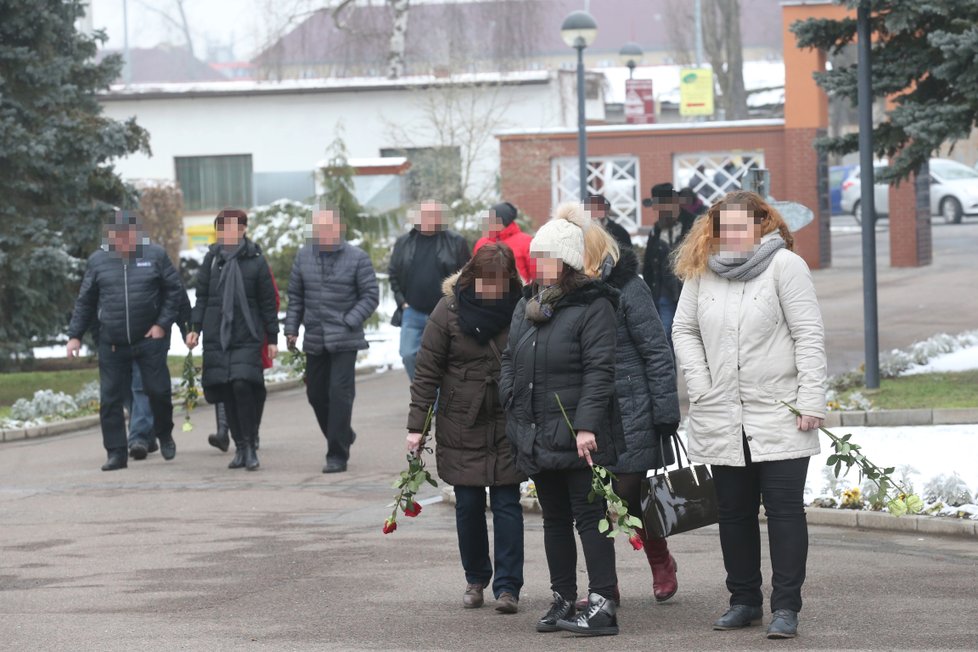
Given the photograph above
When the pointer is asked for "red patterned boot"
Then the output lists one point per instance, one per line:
(664, 567)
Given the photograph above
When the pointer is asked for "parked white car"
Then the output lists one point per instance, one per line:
(953, 191)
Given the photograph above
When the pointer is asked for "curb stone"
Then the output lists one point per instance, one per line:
(92, 420)
(896, 418)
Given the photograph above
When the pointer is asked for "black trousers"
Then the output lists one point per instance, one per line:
(739, 492)
(220, 412)
(241, 403)
(330, 389)
(563, 498)
(115, 379)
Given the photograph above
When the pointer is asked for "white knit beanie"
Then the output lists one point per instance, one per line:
(563, 236)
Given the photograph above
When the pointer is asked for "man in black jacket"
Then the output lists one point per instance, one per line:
(421, 260)
(598, 208)
(672, 223)
(133, 293)
(332, 292)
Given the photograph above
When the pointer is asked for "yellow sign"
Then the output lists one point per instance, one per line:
(200, 235)
(695, 91)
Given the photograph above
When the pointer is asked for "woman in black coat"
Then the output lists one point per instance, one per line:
(562, 343)
(645, 383)
(235, 311)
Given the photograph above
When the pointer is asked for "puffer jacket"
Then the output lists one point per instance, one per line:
(453, 253)
(571, 355)
(745, 347)
(124, 298)
(332, 293)
(472, 448)
(657, 268)
(645, 373)
(242, 359)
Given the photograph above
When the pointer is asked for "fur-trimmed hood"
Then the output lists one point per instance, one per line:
(625, 270)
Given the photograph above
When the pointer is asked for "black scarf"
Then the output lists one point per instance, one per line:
(484, 319)
(232, 287)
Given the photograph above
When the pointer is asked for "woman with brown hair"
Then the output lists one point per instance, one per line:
(748, 336)
(458, 366)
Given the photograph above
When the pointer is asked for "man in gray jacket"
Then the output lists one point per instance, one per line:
(132, 293)
(332, 292)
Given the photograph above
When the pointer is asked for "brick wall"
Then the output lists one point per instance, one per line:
(910, 237)
(525, 174)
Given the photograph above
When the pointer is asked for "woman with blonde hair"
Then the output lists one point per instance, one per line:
(749, 338)
(645, 385)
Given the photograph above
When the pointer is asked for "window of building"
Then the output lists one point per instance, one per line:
(615, 177)
(714, 174)
(210, 183)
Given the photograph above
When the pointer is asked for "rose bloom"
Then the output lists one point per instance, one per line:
(389, 526)
(636, 542)
(412, 510)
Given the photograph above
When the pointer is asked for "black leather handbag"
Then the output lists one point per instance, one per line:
(680, 500)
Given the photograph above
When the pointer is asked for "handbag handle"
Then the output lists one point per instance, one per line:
(674, 440)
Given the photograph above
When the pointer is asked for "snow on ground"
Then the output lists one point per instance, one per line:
(961, 360)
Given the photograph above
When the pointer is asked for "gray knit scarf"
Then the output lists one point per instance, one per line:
(232, 289)
(745, 269)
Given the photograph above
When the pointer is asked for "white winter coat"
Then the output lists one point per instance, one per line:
(744, 347)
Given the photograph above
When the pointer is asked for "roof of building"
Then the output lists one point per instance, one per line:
(164, 64)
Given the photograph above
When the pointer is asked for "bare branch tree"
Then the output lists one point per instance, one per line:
(181, 24)
(725, 50)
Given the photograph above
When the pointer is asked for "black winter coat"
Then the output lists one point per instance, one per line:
(332, 294)
(453, 253)
(124, 298)
(618, 232)
(242, 360)
(657, 268)
(645, 373)
(472, 448)
(571, 355)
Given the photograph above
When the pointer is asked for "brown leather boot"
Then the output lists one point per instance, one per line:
(472, 598)
(664, 567)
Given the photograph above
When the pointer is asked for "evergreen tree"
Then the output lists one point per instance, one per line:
(924, 58)
(55, 153)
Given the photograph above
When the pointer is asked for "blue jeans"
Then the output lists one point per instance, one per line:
(140, 414)
(473, 537)
(412, 328)
(667, 312)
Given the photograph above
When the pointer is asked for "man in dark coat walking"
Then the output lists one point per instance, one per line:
(132, 293)
(672, 224)
(599, 208)
(421, 260)
(332, 292)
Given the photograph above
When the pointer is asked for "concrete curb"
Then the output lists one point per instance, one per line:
(895, 418)
(92, 420)
(851, 518)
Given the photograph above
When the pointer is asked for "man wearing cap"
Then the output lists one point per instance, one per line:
(672, 223)
(599, 207)
(133, 293)
(501, 226)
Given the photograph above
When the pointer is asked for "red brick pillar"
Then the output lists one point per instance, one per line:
(805, 174)
(910, 237)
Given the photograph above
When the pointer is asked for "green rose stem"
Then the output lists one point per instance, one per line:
(616, 517)
(410, 481)
(188, 389)
(848, 452)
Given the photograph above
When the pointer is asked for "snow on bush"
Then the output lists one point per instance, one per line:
(45, 404)
(280, 227)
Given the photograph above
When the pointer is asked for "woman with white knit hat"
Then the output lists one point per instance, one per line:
(562, 342)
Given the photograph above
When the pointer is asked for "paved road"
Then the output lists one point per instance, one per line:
(189, 555)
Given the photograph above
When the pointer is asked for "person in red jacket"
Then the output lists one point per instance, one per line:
(501, 227)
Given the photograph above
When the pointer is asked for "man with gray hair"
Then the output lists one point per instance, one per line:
(332, 292)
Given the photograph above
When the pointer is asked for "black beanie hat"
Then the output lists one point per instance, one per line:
(506, 212)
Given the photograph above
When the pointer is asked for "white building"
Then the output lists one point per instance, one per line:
(250, 143)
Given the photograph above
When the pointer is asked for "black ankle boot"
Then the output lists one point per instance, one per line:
(600, 619)
(559, 609)
(239, 457)
(220, 439)
(250, 457)
(118, 459)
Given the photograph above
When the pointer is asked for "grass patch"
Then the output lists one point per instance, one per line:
(23, 384)
(957, 389)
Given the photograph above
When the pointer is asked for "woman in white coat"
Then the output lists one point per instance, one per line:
(748, 336)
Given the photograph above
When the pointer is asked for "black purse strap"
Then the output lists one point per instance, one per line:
(677, 445)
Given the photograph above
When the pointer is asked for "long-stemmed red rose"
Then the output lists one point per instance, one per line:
(410, 481)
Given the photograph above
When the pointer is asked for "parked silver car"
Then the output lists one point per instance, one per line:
(953, 191)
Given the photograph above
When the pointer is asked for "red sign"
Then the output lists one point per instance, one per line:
(639, 101)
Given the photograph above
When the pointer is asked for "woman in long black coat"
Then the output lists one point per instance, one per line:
(645, 384)
(235, 311)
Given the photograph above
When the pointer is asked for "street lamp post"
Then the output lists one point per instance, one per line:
(578, 32)
(630, 55)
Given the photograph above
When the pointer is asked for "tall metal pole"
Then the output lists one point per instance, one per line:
(127, 63)
(581, 126)
(698, 20)
(867, 181)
